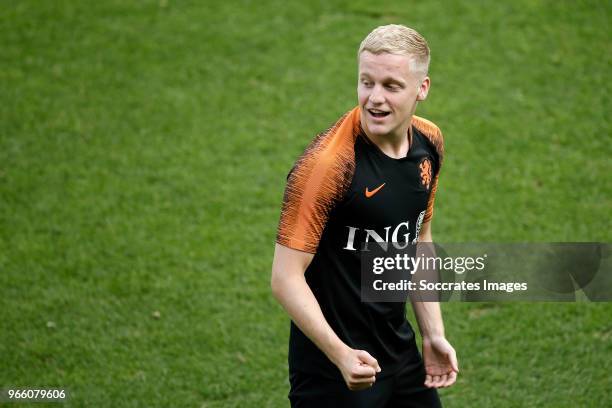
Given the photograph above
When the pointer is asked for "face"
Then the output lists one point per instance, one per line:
(388, 92)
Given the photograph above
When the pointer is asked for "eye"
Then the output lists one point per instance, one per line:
(366, 83)
(393, 87)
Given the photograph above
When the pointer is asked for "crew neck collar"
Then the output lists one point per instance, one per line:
(410, 135)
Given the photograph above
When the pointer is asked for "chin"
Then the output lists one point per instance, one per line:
(378, 129)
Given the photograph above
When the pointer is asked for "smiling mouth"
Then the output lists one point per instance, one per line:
(377, 113)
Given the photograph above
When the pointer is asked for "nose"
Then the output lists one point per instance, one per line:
(376, 96)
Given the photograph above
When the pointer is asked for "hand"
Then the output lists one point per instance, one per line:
(358, 369)
(440, 360)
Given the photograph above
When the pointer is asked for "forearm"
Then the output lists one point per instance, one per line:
(296, 297)
(428, 314)
(429, 318)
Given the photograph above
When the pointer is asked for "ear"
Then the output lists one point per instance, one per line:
(423, 89)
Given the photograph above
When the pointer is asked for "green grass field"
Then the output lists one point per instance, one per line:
(143, 152)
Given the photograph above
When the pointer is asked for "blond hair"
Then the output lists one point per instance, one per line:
(400, 40)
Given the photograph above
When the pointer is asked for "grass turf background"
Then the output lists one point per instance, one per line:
(143, 152)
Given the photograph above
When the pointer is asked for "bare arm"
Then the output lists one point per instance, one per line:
(439, 356)
(290, 288)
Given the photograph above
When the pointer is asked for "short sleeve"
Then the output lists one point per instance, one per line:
(430, 203)
(435, 138)
(316, 183)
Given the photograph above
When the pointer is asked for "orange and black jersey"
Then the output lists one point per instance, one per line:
(341, 193)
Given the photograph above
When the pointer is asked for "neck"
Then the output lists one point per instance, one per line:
(396, 144)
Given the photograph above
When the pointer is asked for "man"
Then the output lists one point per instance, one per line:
(374, 172)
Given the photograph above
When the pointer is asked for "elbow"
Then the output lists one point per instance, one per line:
(276, 285)
(288, 268)
(282, 283)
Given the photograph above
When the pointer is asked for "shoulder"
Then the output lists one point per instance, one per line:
(329, 151)
(336, 141)
(431, 131)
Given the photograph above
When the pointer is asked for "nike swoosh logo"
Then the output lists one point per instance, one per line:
(369, 193)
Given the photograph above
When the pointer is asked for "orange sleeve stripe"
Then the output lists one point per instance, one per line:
(319, 179)
(430, 202)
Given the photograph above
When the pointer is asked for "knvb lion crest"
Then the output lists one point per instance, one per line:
(425, 168)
